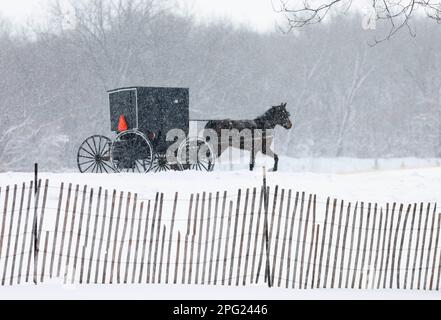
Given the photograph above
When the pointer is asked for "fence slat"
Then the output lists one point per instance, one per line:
(152, 234)
(329, 252)
(138, 240)
(233, 246)
(8, 243)
(389, 244)
(230, 212)
(80, 226)
(193, 235)
(170, 237)
(403, 234)
(184, 267)
(343, 253)
(71, 233)
(201, 228)
(130, 241)
(44, 256)
(357, 253)
(213, 239)
(161, 255)
(409, 245)
(383, 248)
(40, 226)
(63, 234)
(3, 223)
(256, 236)
(429, 249)
(175, 280)
(101, 240)
(144, 241)
(157, 236)
(17, 233)
(305, 234)
(244, 219)
(366, 237)
(207, 234)
(115, 237)
(316, 244)
(394, 250)
(434, 253)
(351, 246)
(123, 237)
(276, 239)
(377, 248)
(319, 272)
(32, 238)
(95, 230)
(270, 237)
(285, 235)
(57, 222)
(109, 235)
(415, 257)
(25, 232)
(423, 245)
(220, 237)
(371, 247)
(337, 245)
(86, 237)
(291, 231)
(311, 249)
(265, 228)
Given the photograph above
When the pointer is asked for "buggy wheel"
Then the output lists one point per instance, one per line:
(131, 151)
(93, 155)
(160, 163)
(196, 154)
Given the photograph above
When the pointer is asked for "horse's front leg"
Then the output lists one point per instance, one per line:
(252, 160)
(253, 152)
(271, 153)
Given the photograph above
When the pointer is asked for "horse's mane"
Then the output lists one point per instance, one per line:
(268, 114)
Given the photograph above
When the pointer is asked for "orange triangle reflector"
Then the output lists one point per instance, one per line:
(122, 124)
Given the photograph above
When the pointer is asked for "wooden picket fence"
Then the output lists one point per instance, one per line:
(78, 234)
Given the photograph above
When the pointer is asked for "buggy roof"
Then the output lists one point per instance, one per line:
(141, 87)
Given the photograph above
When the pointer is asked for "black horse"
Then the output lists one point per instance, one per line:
(259, 133)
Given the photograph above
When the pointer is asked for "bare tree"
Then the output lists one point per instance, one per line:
(359, 75)
(113, 33)
(396, 13)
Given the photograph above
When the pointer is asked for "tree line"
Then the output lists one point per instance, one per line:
(346, 97)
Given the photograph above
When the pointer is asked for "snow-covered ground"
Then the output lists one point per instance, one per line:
(185, 292)
(381, 181)
(386, 180)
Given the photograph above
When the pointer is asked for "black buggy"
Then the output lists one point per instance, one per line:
(141, 117)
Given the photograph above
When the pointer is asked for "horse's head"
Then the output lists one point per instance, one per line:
(281, 116)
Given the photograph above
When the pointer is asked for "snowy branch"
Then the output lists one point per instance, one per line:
(396, 13)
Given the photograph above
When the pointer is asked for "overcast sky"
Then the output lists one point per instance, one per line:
(258, 14)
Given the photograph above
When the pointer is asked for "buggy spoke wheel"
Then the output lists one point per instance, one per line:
(92, 155)
(131, 152)
(190, 155)
(160, 163)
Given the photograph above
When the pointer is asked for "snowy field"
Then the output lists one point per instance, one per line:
(381, 181)
(405, 180)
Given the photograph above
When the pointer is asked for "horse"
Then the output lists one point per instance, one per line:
(253, 133)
